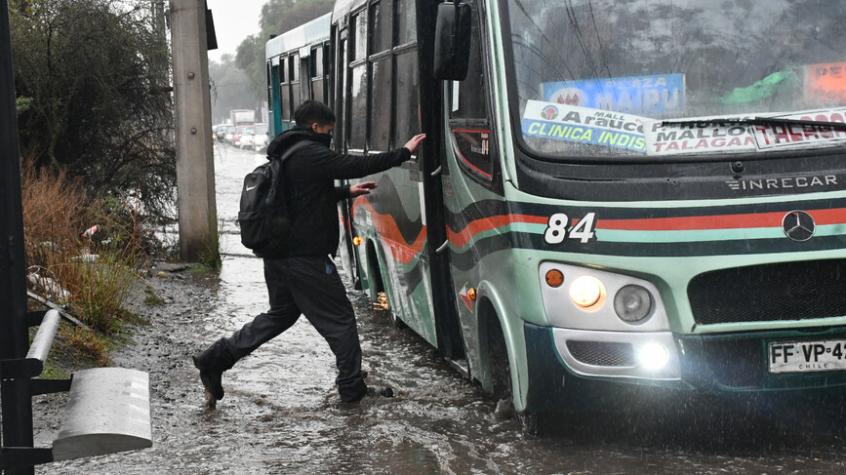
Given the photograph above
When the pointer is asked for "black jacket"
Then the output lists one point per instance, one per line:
(312, 197)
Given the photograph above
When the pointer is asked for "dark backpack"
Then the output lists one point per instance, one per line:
(263, 217)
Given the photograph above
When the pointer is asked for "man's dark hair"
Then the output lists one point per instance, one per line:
(310, 112)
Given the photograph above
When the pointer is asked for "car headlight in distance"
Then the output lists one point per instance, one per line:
(633, 303)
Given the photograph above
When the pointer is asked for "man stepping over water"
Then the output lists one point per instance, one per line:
(305, 280)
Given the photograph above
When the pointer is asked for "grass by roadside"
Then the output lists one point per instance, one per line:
(83, 253)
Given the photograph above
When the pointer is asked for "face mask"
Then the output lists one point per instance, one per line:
(325, 139)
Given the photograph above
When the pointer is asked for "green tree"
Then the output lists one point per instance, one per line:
(94, 75)
(250, 59)
(230, 88)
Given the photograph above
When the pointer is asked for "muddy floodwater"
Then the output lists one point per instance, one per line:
(281, 413)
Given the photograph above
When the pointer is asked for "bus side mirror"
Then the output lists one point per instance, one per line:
(452, 41)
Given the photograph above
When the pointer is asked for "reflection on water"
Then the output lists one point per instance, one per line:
(281, 413)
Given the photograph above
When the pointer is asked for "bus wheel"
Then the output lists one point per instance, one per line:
(500, 370)
(378, 287)
(383, 304)
(530, 423)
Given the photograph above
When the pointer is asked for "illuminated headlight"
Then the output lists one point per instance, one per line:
(652, 356)
(587, 292)
(633, 303)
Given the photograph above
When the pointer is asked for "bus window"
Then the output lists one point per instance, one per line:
(269, 83)
(468, 97)
(316, 73)
(358, 107)
(381, 69)
(672, 63)
(381, 33)
(468, 113)
(341, 93)
(315, 60)
(406, 84)
(406, 22)
(359, 32)
(408, 102)
(327, 73)
(294, 74)
(317, 90)
(284, 90)
(358, 86)
(294, 71)
(380, 124)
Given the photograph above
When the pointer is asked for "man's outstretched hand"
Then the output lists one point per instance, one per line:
(412, 144)
(362, 188)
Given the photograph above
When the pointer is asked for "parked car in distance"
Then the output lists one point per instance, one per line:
(220, 131)
(246, 139)
(229, 134)
(236, 136)
(256, 139)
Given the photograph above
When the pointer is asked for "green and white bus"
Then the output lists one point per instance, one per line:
(648, 192)
(297, 70)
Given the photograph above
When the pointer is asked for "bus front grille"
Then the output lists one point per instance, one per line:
(733, 363)
(601, 353)
(771, 292)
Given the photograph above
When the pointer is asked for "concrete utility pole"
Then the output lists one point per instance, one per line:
(198, 238)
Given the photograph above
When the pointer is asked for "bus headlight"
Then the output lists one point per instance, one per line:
(652, 356)
(587, 298)
(587, 292)
(633, 304)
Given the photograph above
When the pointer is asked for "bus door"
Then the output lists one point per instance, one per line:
(274, 120)
(384, 68)
(348, 252)
(472, 185)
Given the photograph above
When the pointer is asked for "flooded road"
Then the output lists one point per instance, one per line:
(281, 412)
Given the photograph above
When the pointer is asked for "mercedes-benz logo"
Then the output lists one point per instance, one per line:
(799, 226)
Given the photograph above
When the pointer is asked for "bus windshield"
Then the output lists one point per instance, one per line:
(611, 78)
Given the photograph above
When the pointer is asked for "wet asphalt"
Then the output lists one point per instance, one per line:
(282, 415)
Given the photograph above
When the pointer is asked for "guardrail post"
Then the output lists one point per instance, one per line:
(17, 401)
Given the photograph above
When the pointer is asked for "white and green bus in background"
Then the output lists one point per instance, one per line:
(297, 70)
(648, 192)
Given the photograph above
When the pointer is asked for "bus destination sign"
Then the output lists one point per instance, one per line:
(660, 95)
(583, 125)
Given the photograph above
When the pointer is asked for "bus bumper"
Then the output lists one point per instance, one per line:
(716, 363)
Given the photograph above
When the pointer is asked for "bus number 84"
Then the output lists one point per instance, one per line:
(557, 231)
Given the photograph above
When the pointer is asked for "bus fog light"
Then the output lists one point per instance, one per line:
(653, 356)
(587, 291)
(633, 303)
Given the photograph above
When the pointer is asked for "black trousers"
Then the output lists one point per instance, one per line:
(309, 286)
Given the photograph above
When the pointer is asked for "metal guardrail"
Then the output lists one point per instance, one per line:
(40, 346)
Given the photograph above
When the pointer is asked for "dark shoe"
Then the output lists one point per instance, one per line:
(387, 391)
(211, 379)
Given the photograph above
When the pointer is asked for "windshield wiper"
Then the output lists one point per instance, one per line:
(757, 121)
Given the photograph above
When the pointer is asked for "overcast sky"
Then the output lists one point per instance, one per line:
(234, 20)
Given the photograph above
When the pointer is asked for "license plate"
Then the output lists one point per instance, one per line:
(807, 356)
